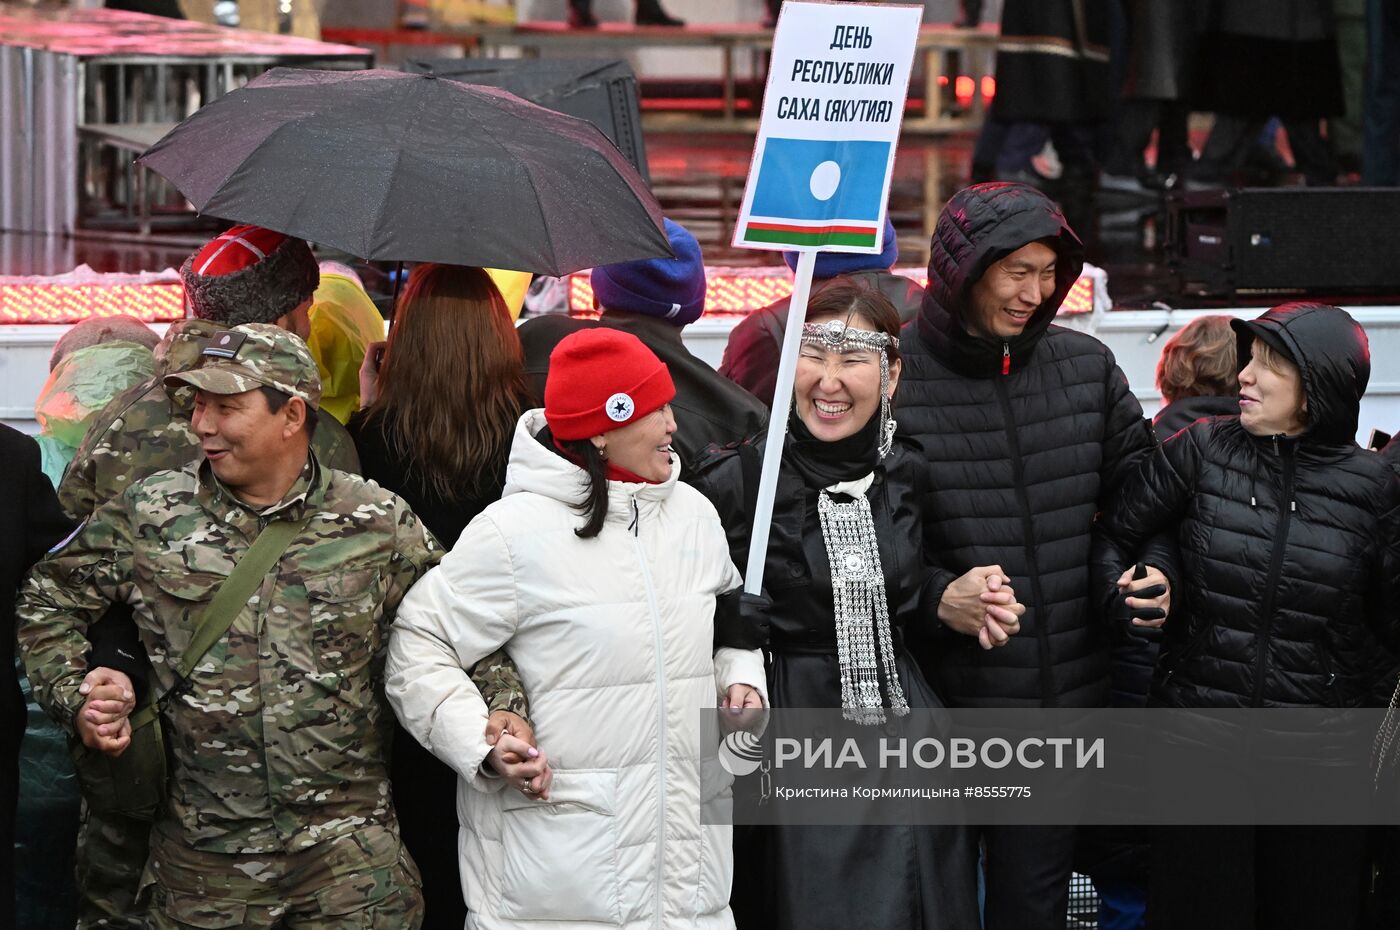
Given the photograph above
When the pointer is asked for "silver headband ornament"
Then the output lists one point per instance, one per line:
(836, 336)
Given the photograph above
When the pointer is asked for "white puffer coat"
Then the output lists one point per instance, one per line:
(614, 640)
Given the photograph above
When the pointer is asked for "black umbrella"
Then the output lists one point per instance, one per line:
(407, 167)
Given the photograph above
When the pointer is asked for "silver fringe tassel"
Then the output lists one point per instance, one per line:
(862, 614)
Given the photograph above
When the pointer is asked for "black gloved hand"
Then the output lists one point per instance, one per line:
(1145, 613)
(742, 620)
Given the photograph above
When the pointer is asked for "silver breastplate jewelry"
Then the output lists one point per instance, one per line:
(860, 606)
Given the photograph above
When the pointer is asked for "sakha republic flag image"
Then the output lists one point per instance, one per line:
(824, 154)
(826, 192)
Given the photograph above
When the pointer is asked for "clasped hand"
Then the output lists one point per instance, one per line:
(103, 722)
(982, 603)
(1148, 599)
(514, 756)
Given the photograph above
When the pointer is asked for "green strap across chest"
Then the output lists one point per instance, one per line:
(228, 601)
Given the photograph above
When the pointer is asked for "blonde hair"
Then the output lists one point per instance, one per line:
(1199, 361)
(1271, 358)
(1279, 363)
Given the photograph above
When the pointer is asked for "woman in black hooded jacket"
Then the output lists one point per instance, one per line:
(1290, 578)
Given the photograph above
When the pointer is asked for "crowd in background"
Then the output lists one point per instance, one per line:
(591, 483)
(1112, 85)
(466, 693)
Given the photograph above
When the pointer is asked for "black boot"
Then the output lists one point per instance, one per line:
(581, 15)
(649, 13)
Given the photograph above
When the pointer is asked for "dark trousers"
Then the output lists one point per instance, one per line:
(9, 800)
(1027, 872)
(1138, 119)
(425, 799)
(1022, 141)
(1256, 878)
(1383, 903)
(1230, 139)
(1381, 108)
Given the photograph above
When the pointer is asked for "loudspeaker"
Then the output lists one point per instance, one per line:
(602, 92)
(1333, 240)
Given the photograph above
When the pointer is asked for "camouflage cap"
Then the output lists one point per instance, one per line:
(251, 356)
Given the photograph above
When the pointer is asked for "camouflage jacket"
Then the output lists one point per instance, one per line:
(281, 737)
(146, 429)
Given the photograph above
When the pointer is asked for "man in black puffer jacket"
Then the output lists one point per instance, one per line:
(1027, 428)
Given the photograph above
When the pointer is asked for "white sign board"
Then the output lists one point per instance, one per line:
(820, 175)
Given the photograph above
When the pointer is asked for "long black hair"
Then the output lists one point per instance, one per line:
(594, 505)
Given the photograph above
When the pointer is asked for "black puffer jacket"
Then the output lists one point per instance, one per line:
(1391, 453)
(1180, 414)
(1290, 548)
(1020, 462)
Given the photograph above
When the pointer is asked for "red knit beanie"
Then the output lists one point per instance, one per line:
(600, 379)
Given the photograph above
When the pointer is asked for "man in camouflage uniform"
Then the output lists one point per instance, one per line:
(279, 812)
(147, 429)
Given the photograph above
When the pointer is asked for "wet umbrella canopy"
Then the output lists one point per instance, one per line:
(393, 166)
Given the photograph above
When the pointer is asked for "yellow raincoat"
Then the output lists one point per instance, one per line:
(343, 322)
(512, 285)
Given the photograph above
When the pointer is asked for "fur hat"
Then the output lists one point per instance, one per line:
(249, 275)
(670, 288)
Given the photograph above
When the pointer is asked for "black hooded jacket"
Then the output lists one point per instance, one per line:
(1391, 453)
(1020, 462)
(1290, 547)
(1179, 414)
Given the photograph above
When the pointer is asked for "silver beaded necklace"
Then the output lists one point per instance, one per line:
(861, 608)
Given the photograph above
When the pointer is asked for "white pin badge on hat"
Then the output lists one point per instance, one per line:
(620, 408)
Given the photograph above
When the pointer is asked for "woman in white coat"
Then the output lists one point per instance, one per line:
(598, 572)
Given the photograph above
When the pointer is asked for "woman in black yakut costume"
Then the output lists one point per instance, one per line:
(837, 623)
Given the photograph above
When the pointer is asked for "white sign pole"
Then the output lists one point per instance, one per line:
(777, 425)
